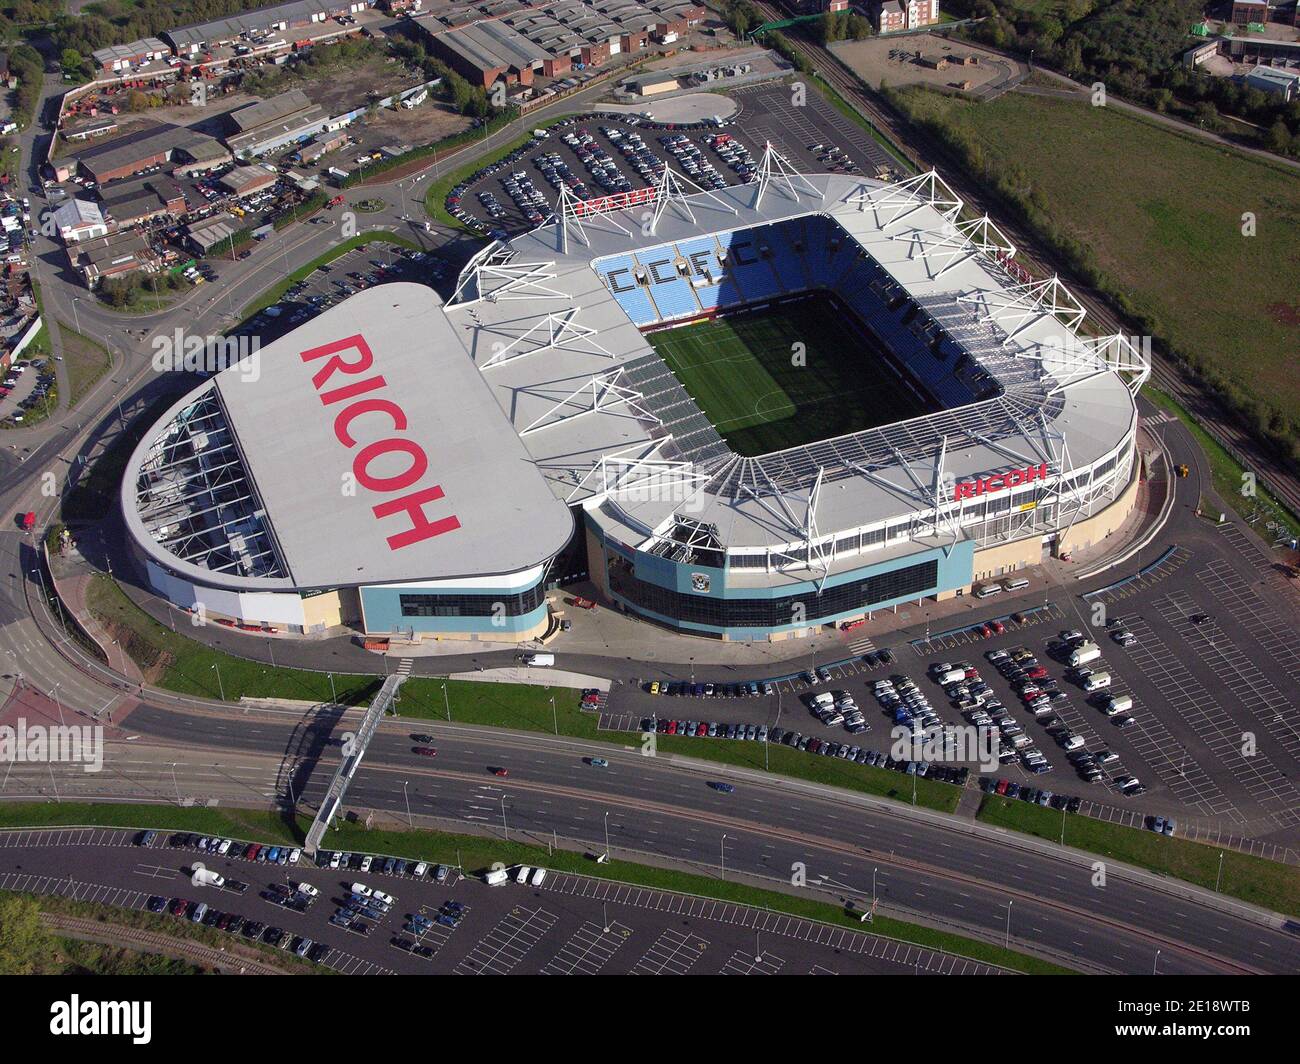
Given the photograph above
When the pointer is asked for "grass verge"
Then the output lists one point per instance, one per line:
(473, 853)
(1268, 883)
(85, 362)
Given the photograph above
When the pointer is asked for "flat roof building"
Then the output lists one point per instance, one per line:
(112, 256)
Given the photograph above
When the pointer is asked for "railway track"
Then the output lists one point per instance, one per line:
(88, 930)
(1224, 429)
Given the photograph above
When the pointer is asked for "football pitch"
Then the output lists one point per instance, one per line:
(786, 376)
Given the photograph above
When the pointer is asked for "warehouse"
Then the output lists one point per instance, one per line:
(79, 220)
(152, 145)
(245, 180)
(121, 59)
(131, 202)
(255, 26)
(112, 256)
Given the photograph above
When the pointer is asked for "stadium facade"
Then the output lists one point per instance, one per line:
(414, 468)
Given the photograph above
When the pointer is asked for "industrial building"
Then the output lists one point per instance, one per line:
(112, 256)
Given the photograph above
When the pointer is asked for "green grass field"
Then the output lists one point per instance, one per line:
(785, 377)
(1201, 239)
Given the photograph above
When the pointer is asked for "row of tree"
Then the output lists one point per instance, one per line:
(1135, 47)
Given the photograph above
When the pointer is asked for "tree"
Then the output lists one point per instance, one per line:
(1279, 138)
(26, 947)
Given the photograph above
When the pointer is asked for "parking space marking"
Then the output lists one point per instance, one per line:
(673, 953)
(1185, 698)
(588, 950)
(1253, 614)
(745, 963)
(502, 948)
(1265, 782)
(763, 921)
(26, 838)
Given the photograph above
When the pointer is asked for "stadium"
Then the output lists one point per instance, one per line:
(743, 414)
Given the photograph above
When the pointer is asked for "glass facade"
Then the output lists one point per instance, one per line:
(807, 607)
(514, 604)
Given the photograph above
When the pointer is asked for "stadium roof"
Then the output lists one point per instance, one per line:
(596, 406)
(288, 513)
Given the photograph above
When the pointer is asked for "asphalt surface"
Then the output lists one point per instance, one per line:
(568, 925)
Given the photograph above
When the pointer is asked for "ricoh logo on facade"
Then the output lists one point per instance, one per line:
(1014, 478)
(133, 1019)
(962, 743)
(35, 744)
(183, 352)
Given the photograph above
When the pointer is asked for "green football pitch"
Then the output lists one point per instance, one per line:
(764, 392)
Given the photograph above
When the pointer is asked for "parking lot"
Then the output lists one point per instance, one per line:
(567, 925)
(375, 263)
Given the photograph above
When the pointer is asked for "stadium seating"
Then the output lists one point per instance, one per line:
(634, 301)
(763, 262)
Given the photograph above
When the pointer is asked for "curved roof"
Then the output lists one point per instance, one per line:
(362, 448)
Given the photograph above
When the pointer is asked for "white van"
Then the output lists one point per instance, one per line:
(951, 676)
(522, 875)
(496, 877)
(1015, 584)
(823, 698)
(1097, 681)
(539, 660)
(539, 874)
(988, 590)
(1117, 704)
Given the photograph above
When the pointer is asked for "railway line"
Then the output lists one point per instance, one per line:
(1224, 429)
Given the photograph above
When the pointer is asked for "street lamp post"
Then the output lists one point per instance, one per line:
(54, 693)
(607, 834)
(505, 829)
(406, 795)
(722, 862)
(1007, 942)
(221, 688)
(446, 701)
(333, 694)
(555, 720)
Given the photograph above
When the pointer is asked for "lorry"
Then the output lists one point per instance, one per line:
(539, 660)
(1084, 653)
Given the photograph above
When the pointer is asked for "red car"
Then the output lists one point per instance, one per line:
(179, 905)
(701, 729)
(1037, 673)
(672, 727)
(425, 751)
(1002, 787)
(500, 772)
(253, 851)
(998, 627)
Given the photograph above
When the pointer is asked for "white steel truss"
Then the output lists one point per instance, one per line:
(775, 169)
(519, 280)
(553, 332)
(895, 202)
(587, 398)
(492, 255)
(573, 212)
(963, 242)
(1016, 308)
(672, 190)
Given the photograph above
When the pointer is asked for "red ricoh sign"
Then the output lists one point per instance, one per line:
(970, 489)
(346, 383)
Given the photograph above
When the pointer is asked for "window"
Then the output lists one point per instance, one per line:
(908, 582)
(512, 604)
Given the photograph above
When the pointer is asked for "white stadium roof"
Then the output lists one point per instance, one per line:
(532, 390)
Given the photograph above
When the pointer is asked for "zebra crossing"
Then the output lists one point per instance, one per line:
(405, 666)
